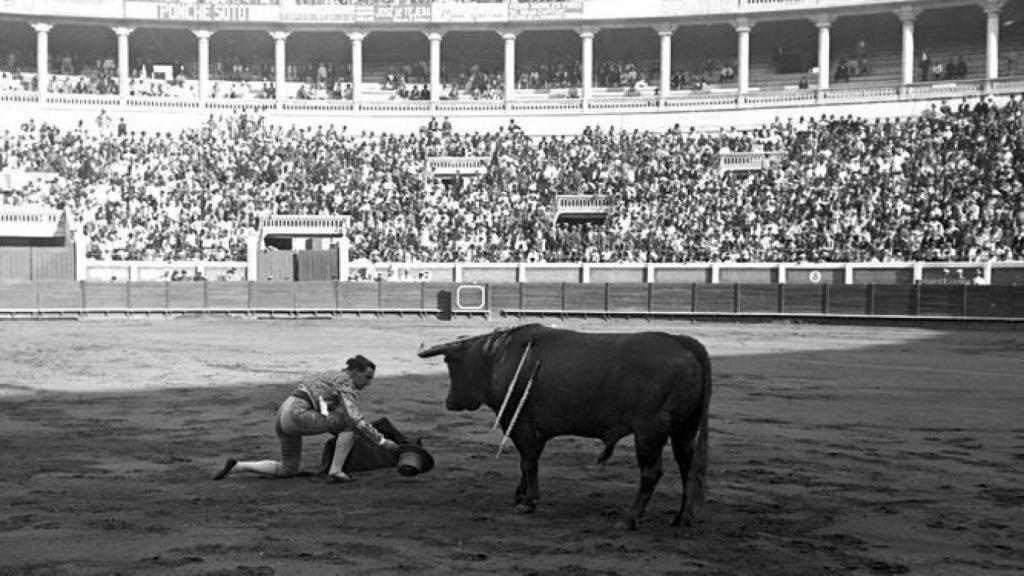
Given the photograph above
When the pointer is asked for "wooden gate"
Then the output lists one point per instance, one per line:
(317, 264)
(37, 262)
(276, 266)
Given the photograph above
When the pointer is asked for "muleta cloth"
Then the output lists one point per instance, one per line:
(413, 460)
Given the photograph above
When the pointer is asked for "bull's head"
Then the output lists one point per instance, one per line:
(467, 370)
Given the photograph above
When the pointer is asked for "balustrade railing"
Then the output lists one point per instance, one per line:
(679, 101)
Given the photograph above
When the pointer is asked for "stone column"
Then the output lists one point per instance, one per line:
(357, 64)
(435, 64)
(907, 17)
(665, 64)
(742, 27)
(43, 57)
(280, 63)
(510, 64)
(992, 8)
(824, 25)
(587, 70)
(204, 62)
(122, 33)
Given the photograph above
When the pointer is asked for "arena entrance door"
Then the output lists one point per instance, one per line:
(301, 247)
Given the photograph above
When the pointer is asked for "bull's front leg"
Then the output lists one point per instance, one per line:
(530, 447)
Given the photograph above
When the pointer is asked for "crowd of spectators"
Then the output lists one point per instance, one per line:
(626, 74)
(935, 69)
(708, 71)
(552, 71)
(475, 82)
(945, 185)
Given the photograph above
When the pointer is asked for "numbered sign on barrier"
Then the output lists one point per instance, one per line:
(470, 297)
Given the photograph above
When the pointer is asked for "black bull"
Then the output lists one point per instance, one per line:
(654, 385)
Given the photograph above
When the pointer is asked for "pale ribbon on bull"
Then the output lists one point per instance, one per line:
(519, 408)
(512, 384)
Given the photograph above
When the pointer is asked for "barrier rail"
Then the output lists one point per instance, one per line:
(921, 302)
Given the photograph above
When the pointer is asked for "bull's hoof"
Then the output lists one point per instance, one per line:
(682, 521)
(523, 508)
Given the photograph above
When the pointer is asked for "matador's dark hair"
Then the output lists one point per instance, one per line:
(359, 363)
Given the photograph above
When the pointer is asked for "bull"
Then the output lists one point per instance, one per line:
(653, 385)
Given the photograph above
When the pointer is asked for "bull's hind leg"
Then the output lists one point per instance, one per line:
(648, 454)
(683, 442)
(528, 491)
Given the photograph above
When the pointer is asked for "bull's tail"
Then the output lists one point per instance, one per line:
(699, 466)
(697, 445)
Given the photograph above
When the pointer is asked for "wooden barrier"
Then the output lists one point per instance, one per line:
(292, 299)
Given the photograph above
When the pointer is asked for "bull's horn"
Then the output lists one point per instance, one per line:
(438, 349)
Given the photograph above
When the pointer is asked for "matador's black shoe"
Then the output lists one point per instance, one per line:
(228, 467)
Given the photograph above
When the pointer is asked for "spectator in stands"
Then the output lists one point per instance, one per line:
(960, 68)
(861, 53)
(942, 186)
(842, 71)
(979, 278)
(728, 73)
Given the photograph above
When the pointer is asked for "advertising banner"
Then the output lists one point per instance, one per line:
(402, 13)
(470, 12)
(331, 13)
(520, 11)
(91, 8)
(203, 10)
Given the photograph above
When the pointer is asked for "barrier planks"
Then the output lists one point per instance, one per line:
(315, 295)
(228, 295)
(583, 297)
(803, 299)
(547, 296)
(672, 298)
(148, 295)
(18, 295)
(715, 298)
(759, 298)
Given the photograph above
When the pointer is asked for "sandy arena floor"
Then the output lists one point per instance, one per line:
(834, 450)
